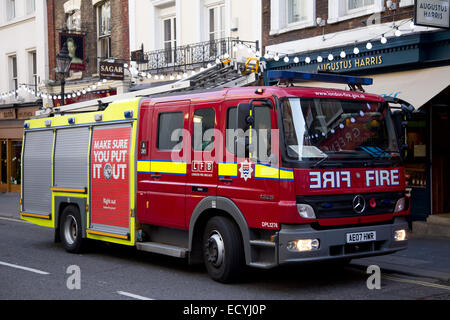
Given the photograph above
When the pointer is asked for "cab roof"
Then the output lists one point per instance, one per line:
(268, 91)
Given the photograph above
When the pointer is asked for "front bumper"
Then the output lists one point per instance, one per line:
(333, 243)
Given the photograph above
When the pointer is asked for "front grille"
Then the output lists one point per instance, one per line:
(346, 249)
(341, 206)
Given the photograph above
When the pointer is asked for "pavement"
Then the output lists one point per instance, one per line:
(426, 256)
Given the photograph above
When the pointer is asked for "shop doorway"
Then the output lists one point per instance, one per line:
(440, 153)
(10, 165)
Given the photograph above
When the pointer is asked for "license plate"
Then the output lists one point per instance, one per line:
(361, 237)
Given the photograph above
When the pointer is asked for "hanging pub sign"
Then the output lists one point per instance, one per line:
(76, 47)
(111, 71)
(432, 13)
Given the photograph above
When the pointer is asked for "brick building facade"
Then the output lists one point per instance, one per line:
(101, 29)
(322, 10)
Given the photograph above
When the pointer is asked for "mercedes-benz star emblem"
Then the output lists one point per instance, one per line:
(359, 204)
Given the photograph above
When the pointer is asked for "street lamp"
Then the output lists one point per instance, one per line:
(63, 61)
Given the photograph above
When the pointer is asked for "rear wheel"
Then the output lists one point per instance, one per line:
(71, 230)
(222, 250)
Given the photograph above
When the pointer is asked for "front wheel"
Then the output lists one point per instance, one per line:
(222, 250)
(71, 230)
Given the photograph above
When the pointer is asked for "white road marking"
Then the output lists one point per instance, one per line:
(134, 296)
(23, 268)
(421, 283)
(14, 220)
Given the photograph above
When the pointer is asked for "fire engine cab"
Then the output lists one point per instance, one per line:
(234, 177)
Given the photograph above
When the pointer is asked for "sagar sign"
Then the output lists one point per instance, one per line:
(111, 71)
(110, 177)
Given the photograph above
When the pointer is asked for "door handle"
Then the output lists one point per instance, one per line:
(156, 176)
(226, 180)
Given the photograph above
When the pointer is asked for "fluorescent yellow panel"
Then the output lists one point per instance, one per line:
(266, 172)
(168, 167)
(228, 169)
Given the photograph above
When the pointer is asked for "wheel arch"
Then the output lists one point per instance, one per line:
(205, 210)
(61, 203)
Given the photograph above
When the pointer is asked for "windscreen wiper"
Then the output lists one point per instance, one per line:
(318, 163)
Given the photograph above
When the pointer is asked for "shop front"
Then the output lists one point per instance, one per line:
(414, 68)
(12, 118)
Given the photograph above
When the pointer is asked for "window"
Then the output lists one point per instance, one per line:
(204, 120)
(216, 22)
(104, 29)
(33, 69)
(262, 127)
(359, 4)
(170, 38)
(405, 3)
(216, 30)
(231, 127)
(14, 85)
(297, 11)
(31, 6)
(10, 9)
(339, 10)
(170, 125)
(73, 20)
(289, 15)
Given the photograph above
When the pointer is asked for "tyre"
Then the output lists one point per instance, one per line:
(71, 230)
(223, 252)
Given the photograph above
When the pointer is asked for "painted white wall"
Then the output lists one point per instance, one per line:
(20, 36)
(192, 21)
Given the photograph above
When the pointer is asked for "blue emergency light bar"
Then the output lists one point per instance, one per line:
(292, 76)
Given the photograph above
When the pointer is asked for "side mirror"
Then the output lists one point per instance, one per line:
(403, 151)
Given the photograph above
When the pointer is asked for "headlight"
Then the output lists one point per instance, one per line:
(400, 205)
(400, 235)
(306, 211)
(303, 245)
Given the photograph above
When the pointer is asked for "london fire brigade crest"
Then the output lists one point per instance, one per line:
(107, 171)
(246, 170)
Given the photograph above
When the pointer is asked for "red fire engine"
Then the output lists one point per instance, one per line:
(235, 177)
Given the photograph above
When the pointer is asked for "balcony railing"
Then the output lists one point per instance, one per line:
(189, 57)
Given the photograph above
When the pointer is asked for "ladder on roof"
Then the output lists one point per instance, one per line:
(225, 74)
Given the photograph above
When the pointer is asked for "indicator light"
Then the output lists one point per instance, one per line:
(128, 114)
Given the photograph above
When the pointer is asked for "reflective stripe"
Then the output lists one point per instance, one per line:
(143, 166)
(228, 170)
(286, 174)
(167, 167)
(32, 215)
(107, 234)
(266, 172)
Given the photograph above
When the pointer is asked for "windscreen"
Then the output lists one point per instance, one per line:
(316, 129)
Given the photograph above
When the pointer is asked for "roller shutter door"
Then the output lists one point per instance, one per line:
(71, 152)
(37, 172)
